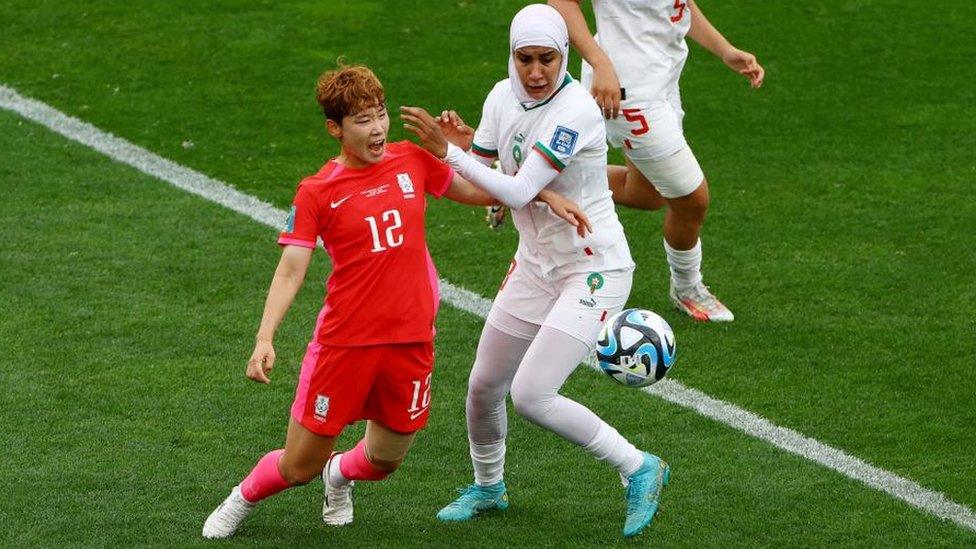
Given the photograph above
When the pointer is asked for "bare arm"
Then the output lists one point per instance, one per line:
(743, 62)
(606, 85)
(463, 191)
(288, 279)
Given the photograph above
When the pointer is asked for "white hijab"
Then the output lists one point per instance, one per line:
(537, 25)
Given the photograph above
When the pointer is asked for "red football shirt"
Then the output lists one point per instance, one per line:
(383, 285)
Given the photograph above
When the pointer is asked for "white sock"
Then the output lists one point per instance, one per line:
(608, 446)
(336, 480)
(685, 266)
(488, 461)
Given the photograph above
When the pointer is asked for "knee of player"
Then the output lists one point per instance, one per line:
(298, 475)
(529, 402)
(694, 206)
(481, 391)
(701, 198)
(386, 465)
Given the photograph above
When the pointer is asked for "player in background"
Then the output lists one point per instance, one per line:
(547, 132)
(371, 356)
(643, 43)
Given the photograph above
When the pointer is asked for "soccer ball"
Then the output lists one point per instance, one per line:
(636, 348)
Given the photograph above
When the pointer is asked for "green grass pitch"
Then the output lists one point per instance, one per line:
(841, 234)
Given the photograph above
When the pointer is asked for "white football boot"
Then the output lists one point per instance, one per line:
(225, 519)
(700, 304)
(337, 507)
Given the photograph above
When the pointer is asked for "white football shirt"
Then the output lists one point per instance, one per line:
(568, 131)
(645, 40)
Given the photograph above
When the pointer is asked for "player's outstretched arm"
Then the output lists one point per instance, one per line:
(287, 281)
(513, 191)
(463, 191)
(743, 62)
(606, 85)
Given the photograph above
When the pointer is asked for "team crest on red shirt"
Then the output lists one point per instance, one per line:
(406, 184)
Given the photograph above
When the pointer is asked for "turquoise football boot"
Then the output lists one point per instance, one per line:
(475, 499)
(644, 492)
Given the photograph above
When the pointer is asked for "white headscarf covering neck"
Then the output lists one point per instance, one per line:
(537, 25)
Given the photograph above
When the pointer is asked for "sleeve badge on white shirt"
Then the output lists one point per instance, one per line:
(564, 140)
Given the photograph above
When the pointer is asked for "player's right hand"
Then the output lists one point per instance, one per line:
(261, 362)
(745, 64)
(568, 210)
(606, 90)
(455, 130)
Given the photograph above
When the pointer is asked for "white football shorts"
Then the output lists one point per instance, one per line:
(576, 304)
(653, 139)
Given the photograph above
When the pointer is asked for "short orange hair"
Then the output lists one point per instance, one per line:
(348, 90)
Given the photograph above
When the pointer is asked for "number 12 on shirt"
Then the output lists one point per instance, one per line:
(391, 219)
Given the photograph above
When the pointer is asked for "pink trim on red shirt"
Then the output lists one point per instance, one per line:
(435, 286)
(287, 241)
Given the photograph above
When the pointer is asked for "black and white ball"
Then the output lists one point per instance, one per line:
(636, 347)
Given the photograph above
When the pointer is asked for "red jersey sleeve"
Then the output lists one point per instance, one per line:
(302, 227)
(439, 174)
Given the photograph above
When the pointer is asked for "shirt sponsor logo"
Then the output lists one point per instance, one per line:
(321, 407)
(290, 224)
(588, 302)
(564, 140)
(406, 184)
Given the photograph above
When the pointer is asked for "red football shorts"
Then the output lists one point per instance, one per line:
(385, 383)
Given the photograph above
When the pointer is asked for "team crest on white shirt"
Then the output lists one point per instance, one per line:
(564, 140)
(406, 184)
(321, 407)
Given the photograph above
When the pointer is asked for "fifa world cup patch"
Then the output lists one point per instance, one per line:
(321, 407)
(564, 140)
(594, 281)
(290, 224)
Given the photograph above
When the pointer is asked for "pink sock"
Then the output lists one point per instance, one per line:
(265, 479)
(355, 466)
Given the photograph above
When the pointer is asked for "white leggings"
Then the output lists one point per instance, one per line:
(532, 363)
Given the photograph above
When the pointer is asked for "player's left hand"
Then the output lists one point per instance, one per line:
(455, 130)
(745, 64)
(568, 210)
(427, 128)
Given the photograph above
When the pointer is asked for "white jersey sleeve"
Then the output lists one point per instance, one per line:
(485, 142)
(513, 191)
(568, 130)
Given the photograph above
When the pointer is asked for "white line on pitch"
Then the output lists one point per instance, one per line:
(673, 391)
